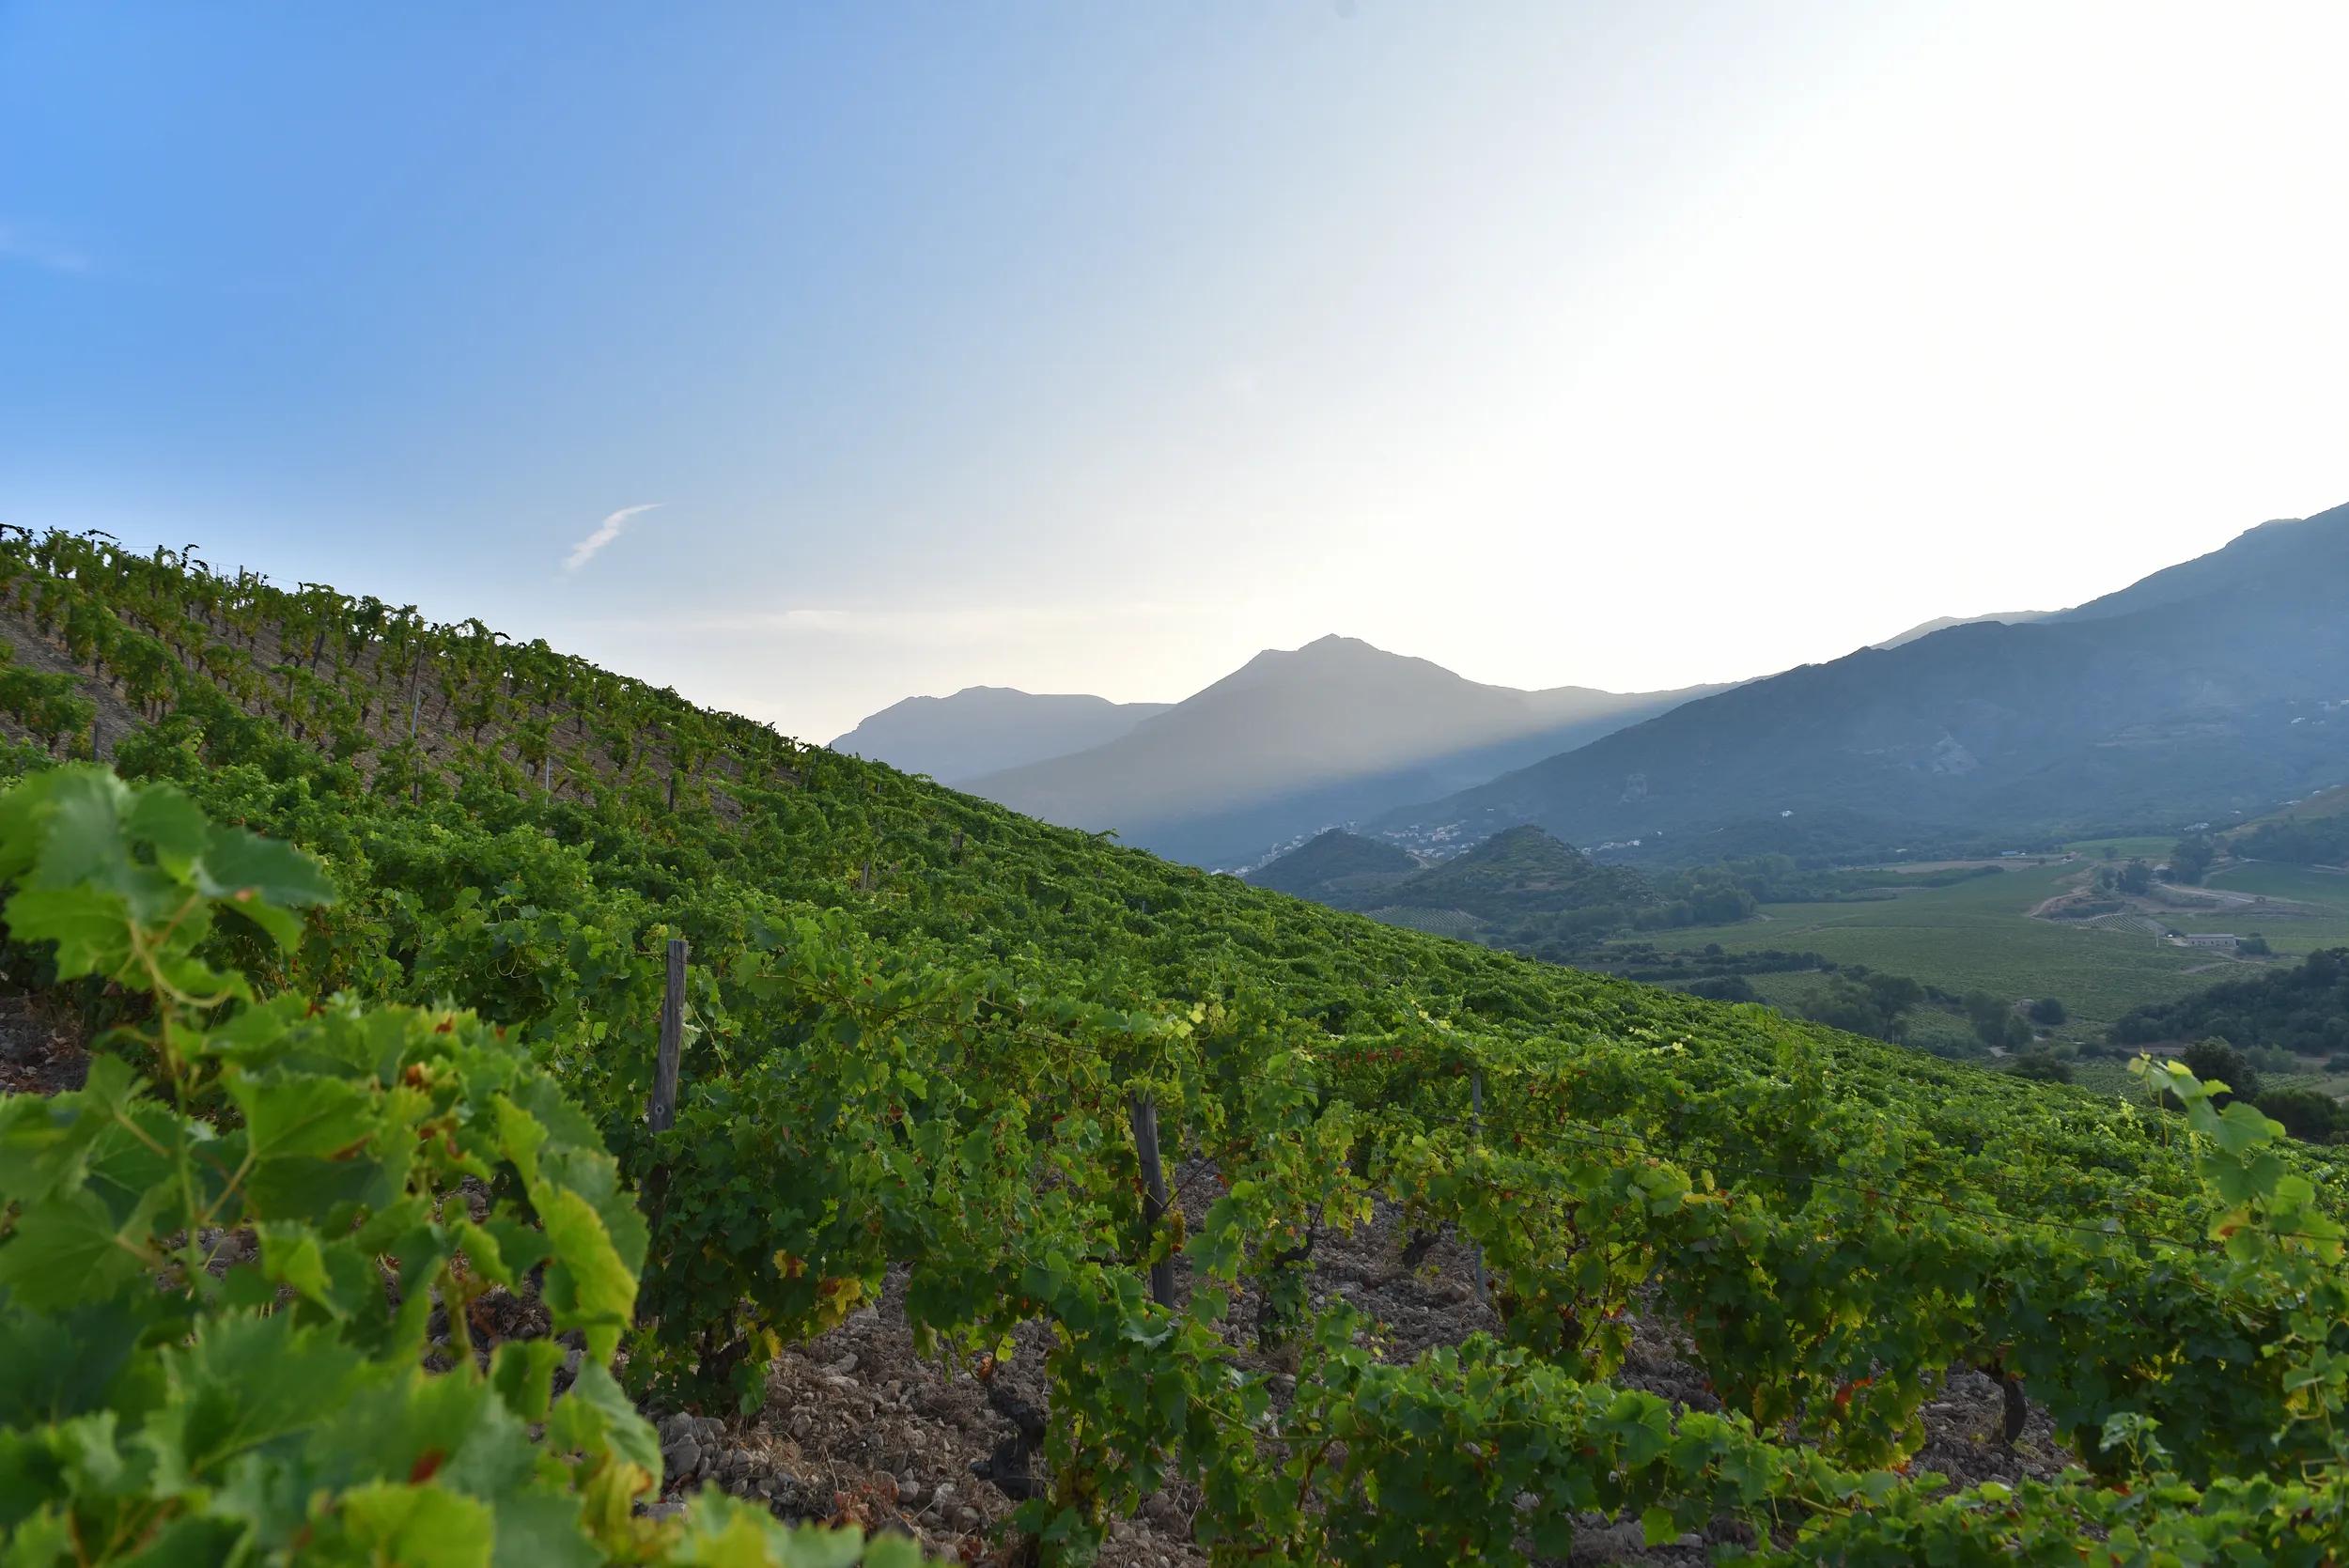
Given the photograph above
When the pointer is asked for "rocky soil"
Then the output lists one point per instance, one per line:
(859, 1428)
(40, 1050)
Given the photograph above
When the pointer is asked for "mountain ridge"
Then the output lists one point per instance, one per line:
(2201, 690)
(1298, 740)
(985, 729)
(1943, 623)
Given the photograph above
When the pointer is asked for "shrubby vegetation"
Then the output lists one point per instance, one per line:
(2041, 1066)
(2190, 858)
(2303, 1010)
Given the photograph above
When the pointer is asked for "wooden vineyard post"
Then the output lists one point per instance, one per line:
(1145, 1120)
(661, 1113)
(1476, 1134)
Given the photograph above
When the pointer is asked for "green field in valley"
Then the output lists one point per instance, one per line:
(1979, 935)
(2289, 931)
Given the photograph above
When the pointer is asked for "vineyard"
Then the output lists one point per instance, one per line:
(358, 1244)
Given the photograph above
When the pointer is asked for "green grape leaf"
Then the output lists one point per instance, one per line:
(522, 1372)
(69, 1250)
(482, 1252)
(165, 818)
(595, 1417)
(723, 1533)
(543, 1529)
(242, 1382)
(303, 1115)
(91, 928)
(418, 1527)
(54, 1368)
(588, 1285)
(292, 1255)
(262, 879)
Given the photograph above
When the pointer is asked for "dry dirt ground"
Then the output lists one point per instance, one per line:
(858, 1427)
(40, 1053)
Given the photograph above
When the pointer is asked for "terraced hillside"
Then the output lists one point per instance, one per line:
(1735, 1274)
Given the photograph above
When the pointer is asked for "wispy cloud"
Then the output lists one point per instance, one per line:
(606, 531)
(21, 242)
(930, 626)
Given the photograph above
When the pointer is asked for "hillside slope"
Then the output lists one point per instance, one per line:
(2311, 831)
(1296, 741)
(2208, 690)
(985, 729)
(1336, 868)
(921, 1038)
(1522, 872)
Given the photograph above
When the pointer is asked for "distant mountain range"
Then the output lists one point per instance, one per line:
(1295, 741)
(986, 729)
(2216, 686)
(2212, 689)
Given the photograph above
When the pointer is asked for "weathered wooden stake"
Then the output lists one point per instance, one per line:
(1145, 1120)
(662, 1111)
(1476, 1131)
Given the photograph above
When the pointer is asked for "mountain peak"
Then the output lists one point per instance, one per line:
(1322, 647)
(984, 729)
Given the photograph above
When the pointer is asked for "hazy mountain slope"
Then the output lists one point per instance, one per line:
(2257, 559)
(1296, 741)
(2323, 806)
(2204, 690)
(983, 729)
(1943, 623)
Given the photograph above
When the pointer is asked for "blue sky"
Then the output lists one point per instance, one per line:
(1097, 347)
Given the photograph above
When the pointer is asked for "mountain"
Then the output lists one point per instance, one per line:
(1337, 868)
(2255, 561)
(1943, 623)
(1521, 873)
(2214, 688)
(1519, 884)
(984, 729)
(1295, 741)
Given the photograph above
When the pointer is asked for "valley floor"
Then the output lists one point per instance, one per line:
(1985, 934)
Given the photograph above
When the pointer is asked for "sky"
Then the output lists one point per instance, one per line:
(809, 357)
